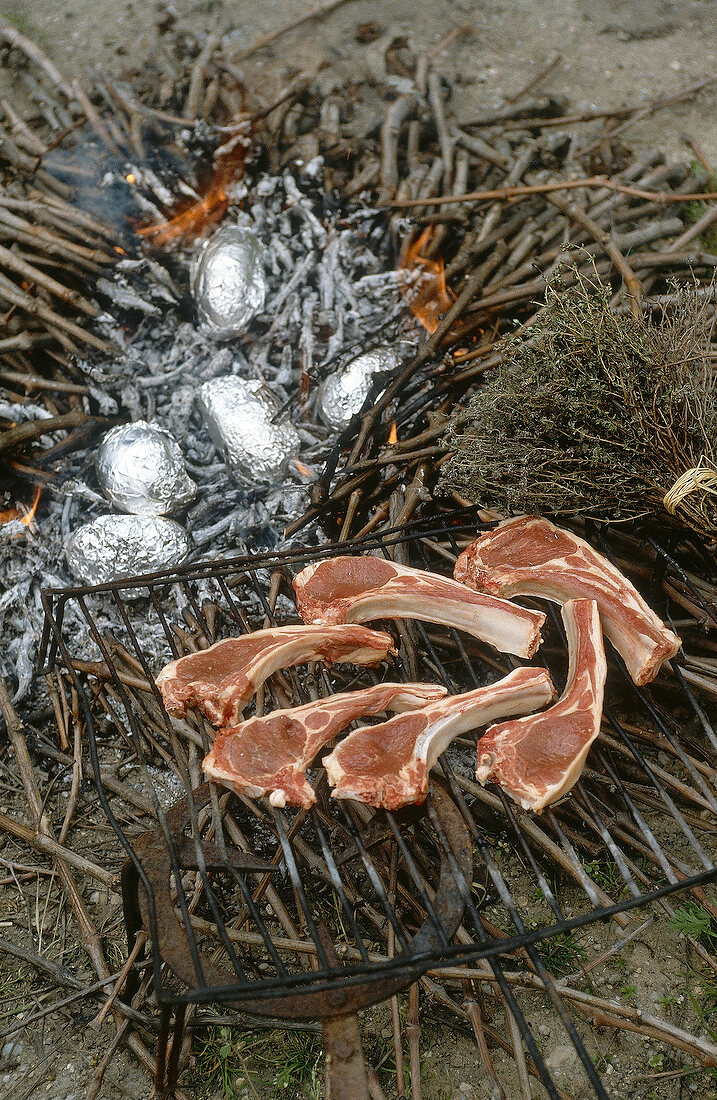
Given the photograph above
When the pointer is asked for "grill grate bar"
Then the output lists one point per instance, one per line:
(339, 888)
(681, 754)
(588, 812)
(418, 880)
(374, 878)
(299, 888)
(534, 958)
(666, 798)
(387, 874)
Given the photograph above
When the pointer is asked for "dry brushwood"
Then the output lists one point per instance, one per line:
(596, 413)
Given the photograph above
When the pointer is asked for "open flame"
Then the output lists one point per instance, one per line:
(21, 512)
(393, 434)
(423, 282)
(197, 218)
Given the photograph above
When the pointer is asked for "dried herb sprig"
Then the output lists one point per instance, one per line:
(594, 413)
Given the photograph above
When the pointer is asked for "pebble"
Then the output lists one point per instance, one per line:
(13, 1048)
(561, 1058)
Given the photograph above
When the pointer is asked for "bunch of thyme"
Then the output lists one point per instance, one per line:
(594, 413)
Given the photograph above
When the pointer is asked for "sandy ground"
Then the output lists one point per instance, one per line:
(613, 52)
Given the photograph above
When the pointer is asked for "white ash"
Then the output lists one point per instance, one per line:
(331, 294)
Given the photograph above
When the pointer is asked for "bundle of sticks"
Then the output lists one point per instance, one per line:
(506, 199)
(543, 187)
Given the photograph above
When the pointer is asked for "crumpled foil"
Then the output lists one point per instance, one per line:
(239, 417)
(342, 394)
(113, 548)
(141, 470)
(227, 281)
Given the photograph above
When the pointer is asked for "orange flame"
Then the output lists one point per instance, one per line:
(302, 468)
(423, 282)
(198, 218)
(393, 434)
(24, 515)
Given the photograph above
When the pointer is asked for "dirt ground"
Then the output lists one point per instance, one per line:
(613, 52)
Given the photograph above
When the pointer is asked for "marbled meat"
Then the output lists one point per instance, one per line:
(358, 589)
(539, 758)
(531, 556)
(270, 755)
(388, 765)
(221, 680)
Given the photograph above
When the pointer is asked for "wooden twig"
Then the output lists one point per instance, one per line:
(445, 141)
(13, 36)
(500, 193)
(32, 430)
(264, 40)
(199, 72)
(473, 1012)
(139, 942)
(46, 844)
(606, 240)
(539, 76)
(36, 308)
(413, 1033)
(13, 262)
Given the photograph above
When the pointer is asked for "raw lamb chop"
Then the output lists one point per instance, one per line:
(388, 765)
(269, 755)
(530, 556)
(354, 590)
(221, 679)
(539, 758)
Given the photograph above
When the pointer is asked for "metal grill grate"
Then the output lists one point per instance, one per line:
(327, 910)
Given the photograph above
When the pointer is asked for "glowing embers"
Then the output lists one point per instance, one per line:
(422, 281)
(21, 513)
(197, 218)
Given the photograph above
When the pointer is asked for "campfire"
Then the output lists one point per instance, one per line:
(236, 336)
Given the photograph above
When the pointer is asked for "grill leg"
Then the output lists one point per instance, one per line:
(345, 1069)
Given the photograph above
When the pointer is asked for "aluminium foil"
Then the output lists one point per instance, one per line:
(342, 394)
(140, 469)
(240, 417)
(116, 547)
(227, 281)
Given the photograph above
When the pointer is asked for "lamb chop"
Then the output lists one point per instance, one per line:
(388, 765)
(530, 556)
(269, 755)
(538, 759)
(221, 679)
(355, 590)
